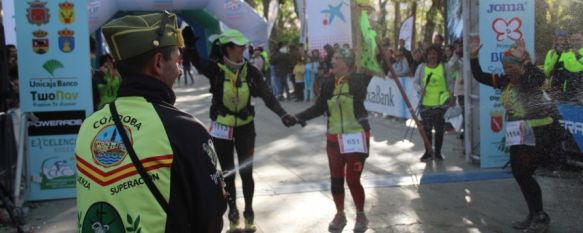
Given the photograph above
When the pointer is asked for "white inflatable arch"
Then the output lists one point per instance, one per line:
(233, 13)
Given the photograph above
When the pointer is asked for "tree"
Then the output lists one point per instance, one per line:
(436, 7)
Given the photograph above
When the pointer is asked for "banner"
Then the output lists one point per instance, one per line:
(8, 21)
(383, 96)
(330, 22)
(55, 85)
(502, 22)
(572, 120)
(406, 32)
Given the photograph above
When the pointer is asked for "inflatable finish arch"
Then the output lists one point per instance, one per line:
(233, 13)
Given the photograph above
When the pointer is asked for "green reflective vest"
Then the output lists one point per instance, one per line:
(341, 110)
(104, 166)
(265, 57)
(436, 92)
(236, 96)
(568, 58)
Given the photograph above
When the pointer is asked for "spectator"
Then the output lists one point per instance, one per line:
(435, 86)
(401, 66)
(299, 72)
(563, 69)
(166, 154)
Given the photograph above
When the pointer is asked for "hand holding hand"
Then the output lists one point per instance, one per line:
(289, 120)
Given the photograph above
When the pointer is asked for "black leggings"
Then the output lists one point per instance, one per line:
(525, 160)
(244, 142)
(433, 118)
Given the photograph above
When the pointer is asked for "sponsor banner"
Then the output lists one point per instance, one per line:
(502, 22)
(52, 148)
(53, 55)
(383, 96)
(55, 85)
(330, 22)
(572, 121)
(52, 166)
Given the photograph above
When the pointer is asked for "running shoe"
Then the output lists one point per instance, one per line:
(233, 220)
(540, 223)
(523, 224)
(249, 221)
(337, 223)
(426, 157)
(361, 223)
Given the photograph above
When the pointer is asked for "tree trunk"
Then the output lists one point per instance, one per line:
(266, 8)
(382, 22)
(397, 23)
(431, 17)
(414, 14)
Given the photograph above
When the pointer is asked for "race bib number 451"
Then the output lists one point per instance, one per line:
(221, 131)
(352, 143)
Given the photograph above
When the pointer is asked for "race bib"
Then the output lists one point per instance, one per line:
(352, 143)
(519, 133)
(221, 131)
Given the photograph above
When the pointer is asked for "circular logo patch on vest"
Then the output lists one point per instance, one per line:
(108, 148)
(102, 217)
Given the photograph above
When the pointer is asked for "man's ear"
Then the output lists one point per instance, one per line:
(155, 67)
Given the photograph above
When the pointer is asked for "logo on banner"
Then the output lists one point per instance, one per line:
(507, 29)
(40, 44)
(51, 65)
(107, 147)
(37, 13)
(332, 12)
(66, 12)
(496, 121)
(93, 7)
(66, 40)
(233, 8)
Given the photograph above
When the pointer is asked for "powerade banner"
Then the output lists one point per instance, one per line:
(502, 22)
(55, 85)
(572, 121)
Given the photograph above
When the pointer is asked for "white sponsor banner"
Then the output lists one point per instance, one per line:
(383, 96)
(329, 22)
(406, 32)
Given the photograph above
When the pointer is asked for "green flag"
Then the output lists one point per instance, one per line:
(367, 55)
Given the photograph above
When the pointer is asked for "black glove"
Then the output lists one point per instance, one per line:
(289, 120)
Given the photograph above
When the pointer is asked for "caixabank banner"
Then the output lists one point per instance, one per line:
(55, 85)
(502, 23)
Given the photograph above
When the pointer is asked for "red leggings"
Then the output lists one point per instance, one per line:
(349, 167)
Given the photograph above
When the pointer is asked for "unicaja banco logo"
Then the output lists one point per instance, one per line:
(51, 65)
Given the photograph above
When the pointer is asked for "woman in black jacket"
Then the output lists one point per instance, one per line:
(532, 128)
(233, 82)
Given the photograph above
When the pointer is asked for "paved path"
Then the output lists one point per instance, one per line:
(403, 195)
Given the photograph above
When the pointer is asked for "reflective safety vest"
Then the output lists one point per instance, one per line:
(236, 97)
(341, 110)
(115, 197)
(436, 92)
(265, 57)
(567, 58)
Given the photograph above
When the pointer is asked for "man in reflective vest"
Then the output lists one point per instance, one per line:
(178, 187)
(563, 70)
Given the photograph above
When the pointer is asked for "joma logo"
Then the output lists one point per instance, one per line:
(506, 7)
